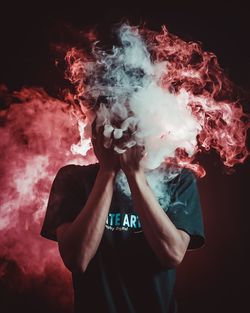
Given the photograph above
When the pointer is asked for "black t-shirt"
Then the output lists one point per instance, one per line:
(125, 275)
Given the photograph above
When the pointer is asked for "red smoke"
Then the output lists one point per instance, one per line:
(190, 69)
(224, 125)
(37, 132)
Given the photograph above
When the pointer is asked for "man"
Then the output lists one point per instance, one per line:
(122, 251)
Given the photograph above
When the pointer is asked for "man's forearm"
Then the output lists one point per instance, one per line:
(79, 241)
(168, 243)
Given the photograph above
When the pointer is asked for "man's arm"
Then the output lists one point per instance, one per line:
(78, 241)
(168, 242)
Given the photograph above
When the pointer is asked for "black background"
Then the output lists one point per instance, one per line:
(214, 279)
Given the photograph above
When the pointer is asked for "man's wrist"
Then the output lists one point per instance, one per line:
(136, 175)
(109, 173)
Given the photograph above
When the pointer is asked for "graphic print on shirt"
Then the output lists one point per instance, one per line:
(117, 221)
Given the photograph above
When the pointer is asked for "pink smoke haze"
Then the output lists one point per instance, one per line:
(38, 134)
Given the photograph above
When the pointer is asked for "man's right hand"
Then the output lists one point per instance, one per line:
(107, 157)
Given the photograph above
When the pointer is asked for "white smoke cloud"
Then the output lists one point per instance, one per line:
(157, 180)
(134, 107)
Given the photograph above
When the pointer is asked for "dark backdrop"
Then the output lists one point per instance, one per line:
(214, 279)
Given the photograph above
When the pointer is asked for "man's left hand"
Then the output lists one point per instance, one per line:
(131, 161)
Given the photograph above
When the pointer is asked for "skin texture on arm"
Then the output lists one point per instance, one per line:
(79, 240)
(168, 242)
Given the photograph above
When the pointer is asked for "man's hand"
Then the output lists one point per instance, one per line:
(107, 157)
(131, 161)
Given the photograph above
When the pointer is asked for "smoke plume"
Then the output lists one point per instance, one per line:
(158, 91)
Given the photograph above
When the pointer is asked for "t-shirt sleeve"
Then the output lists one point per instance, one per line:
(185, 209)
(63, 204)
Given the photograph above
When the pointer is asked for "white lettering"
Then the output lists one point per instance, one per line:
(126, 221)
(111, 215)
(133, 221)
(117, 219)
